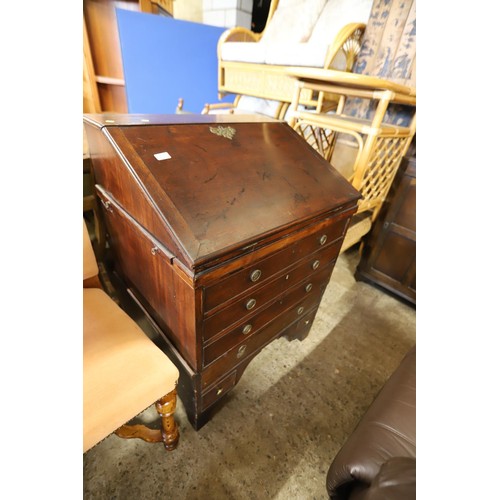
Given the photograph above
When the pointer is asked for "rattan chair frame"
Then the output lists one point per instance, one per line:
(381, 146)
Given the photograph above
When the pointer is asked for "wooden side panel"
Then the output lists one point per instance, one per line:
(170, 299)
(113, 175)
(389, 256)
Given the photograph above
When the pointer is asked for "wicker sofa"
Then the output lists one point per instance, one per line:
(319, 33)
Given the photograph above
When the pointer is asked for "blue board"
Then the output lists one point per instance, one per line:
(165, 59)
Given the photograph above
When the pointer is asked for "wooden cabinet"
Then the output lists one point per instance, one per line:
(103, 82)
(226, 228)
(389, 255)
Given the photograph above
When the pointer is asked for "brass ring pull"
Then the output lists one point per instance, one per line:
(300, 310)
(241, 351)
(219, 392)
(247, 329)
(250, 304)
(155, 250)
(315, 264)
(107, 205)
(309, 287)
(323, 239)
(255, 276)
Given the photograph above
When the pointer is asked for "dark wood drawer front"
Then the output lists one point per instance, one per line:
(239, 353)
(302, 327)
(254, 302)
(252, 276)
(216, 392)
(298, 298)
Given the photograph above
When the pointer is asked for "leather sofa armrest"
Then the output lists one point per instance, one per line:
(388, 429)
(396, 480)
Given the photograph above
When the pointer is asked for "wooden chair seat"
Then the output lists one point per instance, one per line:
(124, 372)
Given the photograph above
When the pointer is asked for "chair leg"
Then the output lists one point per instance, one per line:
(169, 430)
(169, 433)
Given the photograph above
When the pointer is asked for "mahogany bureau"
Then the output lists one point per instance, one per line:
(226, 230)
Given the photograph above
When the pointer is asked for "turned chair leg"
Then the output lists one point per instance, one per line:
(165, 406)
(169, 433)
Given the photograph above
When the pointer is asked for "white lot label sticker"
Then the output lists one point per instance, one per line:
(162, 156)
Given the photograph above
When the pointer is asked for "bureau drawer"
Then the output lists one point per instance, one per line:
(301, 298)
(216, 392)
(301, 328)
(251, 276)
(237, 354)
(249, 304)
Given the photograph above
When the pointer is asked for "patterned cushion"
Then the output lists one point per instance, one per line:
(388, 51)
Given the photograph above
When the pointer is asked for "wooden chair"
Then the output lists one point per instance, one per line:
(376, 109)
(90, 205)
(124, 372)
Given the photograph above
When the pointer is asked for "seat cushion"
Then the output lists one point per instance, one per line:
(335, 15)
(297, 54)
(248, 52)
(123, 370)
(293, 21)
(298, 35)
(291, 25)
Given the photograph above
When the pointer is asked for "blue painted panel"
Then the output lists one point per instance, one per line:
(165, 59)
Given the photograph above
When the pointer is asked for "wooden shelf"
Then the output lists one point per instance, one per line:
(104, 83)
(110, 81)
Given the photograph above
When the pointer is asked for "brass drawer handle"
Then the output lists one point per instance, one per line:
(107, 205)
(250, 304)
(155, 250)
(309, 287)
(219, 392)
(247, 329)
(241, 351)
(323, 239)
(300, 310)
(255, 276)
(315, 264)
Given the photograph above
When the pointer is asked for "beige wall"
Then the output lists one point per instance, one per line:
(189, 10)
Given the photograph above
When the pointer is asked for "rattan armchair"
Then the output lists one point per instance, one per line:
(319, 33)
(376, 111)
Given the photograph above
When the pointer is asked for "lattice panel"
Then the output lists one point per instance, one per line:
(381, 169)
(319, 138)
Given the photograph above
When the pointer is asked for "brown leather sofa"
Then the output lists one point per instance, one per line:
(378, 461)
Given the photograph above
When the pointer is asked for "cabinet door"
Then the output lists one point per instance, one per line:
(389, 257)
